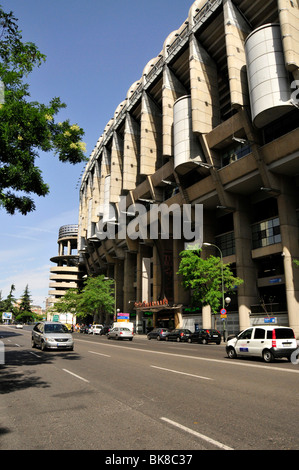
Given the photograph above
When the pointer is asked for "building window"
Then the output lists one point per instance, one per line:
(266, 233)
(226, 243)
(234, 153)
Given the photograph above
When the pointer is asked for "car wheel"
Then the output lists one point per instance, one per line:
(231, 353)
(43, 346)
(33, 345)
(148, 337)
(158, 338)
(204, 341)
(218, 342)
(189, 340)
(178, 339)
(166, 339)
(267, 356)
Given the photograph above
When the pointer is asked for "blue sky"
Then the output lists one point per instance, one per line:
(95, 50)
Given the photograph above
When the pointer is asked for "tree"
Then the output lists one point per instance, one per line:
(68, 303)
(24, 312)
(96, 298)
(27, 127)
(7, 305)
(204, 278)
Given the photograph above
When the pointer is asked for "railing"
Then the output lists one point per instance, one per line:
(68, 231)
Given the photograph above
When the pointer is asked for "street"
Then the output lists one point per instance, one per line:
(143, 395)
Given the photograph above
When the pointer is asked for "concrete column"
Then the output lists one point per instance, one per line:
(247, 292)
(119, 280)
(206, 317)
(139, 315)
(156, 274)
(150, 136)
(171, 91)
(204, 89)
(290, 249)
(131, 152)
(128, 281)
(178, 319)
(180, 294)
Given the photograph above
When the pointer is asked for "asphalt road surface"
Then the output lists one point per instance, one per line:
(143, 395)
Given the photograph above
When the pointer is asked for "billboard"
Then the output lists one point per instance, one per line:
(123, 316)
(6, 316)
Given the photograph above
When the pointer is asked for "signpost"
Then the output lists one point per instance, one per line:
(223, 313)
(123, 317)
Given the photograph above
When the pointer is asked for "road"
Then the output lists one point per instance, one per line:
(143, 395)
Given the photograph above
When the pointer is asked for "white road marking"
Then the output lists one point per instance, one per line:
(36, 355)
(99, 354)
(183, 373)
(228, 362)
(197, 434)
(75, 375)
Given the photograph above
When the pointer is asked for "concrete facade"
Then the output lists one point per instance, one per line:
(188, 132)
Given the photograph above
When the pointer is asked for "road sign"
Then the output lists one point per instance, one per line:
(223, 311)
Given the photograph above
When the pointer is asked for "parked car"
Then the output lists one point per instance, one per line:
(179, 334)
(19, 325)
(84, 329)
(52, 335)
(268, 342)
(105, 330)
(95, 329)
(158, 333)
(120, 332)
(205, 336)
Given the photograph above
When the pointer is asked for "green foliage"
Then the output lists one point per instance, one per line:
(204, 278)
(7, 305)
(68, 303)
(27, 127)
(25, 317)
(25, 304)
(96, 297)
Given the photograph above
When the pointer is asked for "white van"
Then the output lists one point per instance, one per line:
(268, 342)
(95, 329)
(125, 324)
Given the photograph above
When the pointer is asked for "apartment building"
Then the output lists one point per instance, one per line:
(213, 120)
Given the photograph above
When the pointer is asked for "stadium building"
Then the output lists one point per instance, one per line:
(213, 120)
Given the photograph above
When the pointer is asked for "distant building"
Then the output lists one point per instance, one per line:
(65, 275)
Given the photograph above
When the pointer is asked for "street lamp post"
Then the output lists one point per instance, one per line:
(222, 284)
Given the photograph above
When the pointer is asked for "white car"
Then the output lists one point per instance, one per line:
(120, 332)
(95, 329)
(268, 342)
(19, 325)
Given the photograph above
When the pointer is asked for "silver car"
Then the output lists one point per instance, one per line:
(120, 332)
(52, 335)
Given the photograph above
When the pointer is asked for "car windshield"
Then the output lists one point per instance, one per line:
(56, 328)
